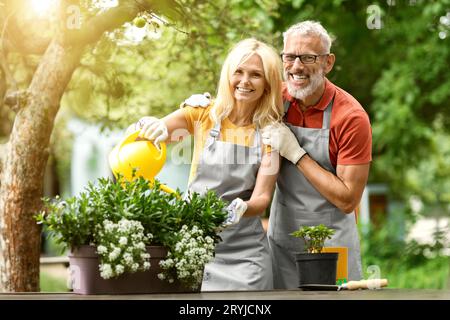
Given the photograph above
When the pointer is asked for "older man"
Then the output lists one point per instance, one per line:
(326, 144)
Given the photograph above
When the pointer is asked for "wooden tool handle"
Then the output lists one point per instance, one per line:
(367, 284)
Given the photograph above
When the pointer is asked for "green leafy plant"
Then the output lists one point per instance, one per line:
(420, 266)
(121, 217)
(314, 237)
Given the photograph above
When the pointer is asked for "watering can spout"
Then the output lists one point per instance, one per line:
(132, 159)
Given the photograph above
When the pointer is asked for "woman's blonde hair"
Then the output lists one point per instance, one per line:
(270, 105)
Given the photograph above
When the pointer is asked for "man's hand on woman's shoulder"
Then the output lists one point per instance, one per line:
(197, 100)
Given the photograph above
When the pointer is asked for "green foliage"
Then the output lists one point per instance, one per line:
(429, 178)
(120, 218)
(314, 237)
(74, 221)
(125, 80)
(204, 211)
(402, 80)
(407, 264)
(432, 274)
(410, 105)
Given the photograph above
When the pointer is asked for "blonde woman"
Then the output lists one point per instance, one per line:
(229, 157)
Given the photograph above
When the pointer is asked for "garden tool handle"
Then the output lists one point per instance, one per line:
(132, 138)
(366, 284)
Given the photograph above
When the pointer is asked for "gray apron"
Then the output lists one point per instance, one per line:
(242, 260)
(297, 203)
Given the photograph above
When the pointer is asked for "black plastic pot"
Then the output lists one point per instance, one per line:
(316, 268)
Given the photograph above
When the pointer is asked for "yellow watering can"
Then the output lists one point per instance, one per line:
(141, 155)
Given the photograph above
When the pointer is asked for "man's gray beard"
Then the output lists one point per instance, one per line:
(316, 80)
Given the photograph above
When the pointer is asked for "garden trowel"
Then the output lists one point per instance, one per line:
(351, 285)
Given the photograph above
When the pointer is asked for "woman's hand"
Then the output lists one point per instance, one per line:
(235, 210)
(152, 129)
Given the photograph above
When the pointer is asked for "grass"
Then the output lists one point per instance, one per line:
(50, 283)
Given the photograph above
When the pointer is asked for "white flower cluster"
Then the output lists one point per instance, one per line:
(186, 262)
(121, 247)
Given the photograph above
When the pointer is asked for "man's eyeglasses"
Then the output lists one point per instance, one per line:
(304, 58)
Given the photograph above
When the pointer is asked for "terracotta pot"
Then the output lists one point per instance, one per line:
(86, 279)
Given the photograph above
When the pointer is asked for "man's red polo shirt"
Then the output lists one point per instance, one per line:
(350, 131)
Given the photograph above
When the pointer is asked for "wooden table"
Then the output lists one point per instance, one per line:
(382, 294)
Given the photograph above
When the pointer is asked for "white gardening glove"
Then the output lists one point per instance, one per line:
(152, 129)
(197, 100)
(138, 125)
(283, 140)
(236, 210)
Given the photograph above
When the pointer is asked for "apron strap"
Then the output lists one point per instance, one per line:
(257, 139)
(327, 115)
(214, 134)
(257, 143)
(286, 105)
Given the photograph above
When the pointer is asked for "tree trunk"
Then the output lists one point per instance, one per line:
(24, 161)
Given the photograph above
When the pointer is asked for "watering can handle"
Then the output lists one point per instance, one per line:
(132, 138)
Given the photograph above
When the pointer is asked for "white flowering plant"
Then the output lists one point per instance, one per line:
(190, 252)
(120, 218)
(121, 247)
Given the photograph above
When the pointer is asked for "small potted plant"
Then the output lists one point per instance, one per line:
(132, 237)
(315, 266)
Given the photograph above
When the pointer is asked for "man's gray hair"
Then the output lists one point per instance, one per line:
(310, 27)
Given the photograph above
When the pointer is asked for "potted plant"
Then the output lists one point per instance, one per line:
(132, 237)
(315, 266)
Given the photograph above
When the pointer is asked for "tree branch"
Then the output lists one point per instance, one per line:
(96, 26)
(16, 99)
(116, 17)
